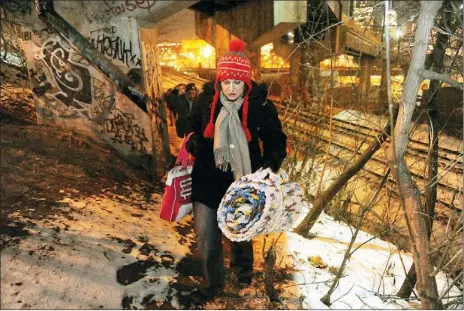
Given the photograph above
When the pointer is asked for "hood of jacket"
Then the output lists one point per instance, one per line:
(208, 88)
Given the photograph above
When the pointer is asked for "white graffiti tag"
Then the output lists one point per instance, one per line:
(71, 78)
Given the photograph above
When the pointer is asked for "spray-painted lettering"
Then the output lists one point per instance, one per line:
(128, 5)
(124, 130)
(111, 30)
(18, 6)
(40, 83)
(117, 49)
(103, 103)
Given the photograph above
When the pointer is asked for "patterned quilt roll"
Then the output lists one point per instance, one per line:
(261, 203)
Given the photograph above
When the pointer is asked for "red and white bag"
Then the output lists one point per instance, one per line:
(177, 199)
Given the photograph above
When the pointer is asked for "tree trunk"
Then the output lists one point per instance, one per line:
(435, 61)
(327, 195)
(409, 192)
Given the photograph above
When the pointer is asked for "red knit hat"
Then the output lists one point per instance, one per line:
(235, 64)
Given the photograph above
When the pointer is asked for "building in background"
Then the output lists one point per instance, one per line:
(188, 54)
(196, 53)
(169, 54)
(270, 60)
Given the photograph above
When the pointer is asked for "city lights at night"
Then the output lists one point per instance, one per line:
(196, 53)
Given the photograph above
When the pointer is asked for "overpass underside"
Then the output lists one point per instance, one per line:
(322, 30)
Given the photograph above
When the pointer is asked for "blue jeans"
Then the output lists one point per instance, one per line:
(210, 248)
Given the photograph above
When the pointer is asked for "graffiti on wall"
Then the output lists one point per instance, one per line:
(116, 7)
(72, 77)
(40, 84)
(123, 129)
(116, 48)
(152, 70)
(18, 6)
(103, 103)
(96, 17)
(111, 30)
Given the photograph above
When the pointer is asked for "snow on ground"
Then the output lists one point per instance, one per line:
(113, 252)
(107, 253)
(420, 132)
(372, 276)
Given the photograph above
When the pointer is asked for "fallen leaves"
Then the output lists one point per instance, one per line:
(317, 262)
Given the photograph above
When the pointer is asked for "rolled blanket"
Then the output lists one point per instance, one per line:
(261, 203)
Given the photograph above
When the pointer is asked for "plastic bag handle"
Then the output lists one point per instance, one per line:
(183, 157)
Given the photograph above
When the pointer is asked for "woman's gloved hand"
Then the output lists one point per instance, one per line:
(195, 145)
(272, 161)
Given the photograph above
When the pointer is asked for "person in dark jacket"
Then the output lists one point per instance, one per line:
(172, 97)
(184, 109)
(228, 126)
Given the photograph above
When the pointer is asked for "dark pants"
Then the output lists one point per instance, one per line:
(210, 248)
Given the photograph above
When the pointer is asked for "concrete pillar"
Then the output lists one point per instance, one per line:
(71, 91)
(365, 77)
(221, 40)
(156, 108)
(256, 64)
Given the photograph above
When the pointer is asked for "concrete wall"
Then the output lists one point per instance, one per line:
(72, 93)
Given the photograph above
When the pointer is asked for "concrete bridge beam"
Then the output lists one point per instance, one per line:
(255, 22)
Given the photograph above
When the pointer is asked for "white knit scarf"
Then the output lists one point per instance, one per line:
(230, 143)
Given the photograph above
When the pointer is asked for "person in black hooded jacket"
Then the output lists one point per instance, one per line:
(232, 109)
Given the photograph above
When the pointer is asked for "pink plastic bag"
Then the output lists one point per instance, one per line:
(177, 199)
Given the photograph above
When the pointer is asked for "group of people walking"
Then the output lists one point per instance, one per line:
(236, 131)
(179, 102)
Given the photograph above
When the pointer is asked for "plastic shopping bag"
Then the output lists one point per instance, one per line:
(177, 201)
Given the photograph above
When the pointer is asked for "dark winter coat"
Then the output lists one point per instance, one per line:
(209, 184)
(182, 108)
(171, 99)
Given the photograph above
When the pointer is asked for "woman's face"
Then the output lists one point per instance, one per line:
(232, 89)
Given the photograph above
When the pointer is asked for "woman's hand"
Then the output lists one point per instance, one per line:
(272, 161)
(195, 145)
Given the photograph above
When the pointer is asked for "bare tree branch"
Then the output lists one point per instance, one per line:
(432, 75)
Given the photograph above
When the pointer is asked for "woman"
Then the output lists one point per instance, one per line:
(228, 125)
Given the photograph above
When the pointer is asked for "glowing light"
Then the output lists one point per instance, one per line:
(399, 33)
(291, 37)
(339, 61)
(269, 59)
(207, 51)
